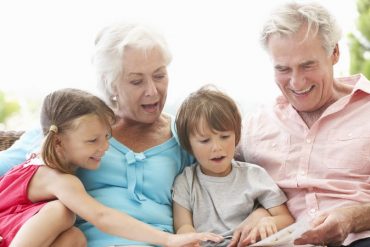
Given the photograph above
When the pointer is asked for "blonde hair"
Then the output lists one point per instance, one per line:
(59, 111)
(212, 106)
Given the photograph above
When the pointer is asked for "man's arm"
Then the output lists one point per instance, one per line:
(334, 226)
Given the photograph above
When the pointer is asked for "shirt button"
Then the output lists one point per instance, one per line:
(312, 211)
(350, 135)
(308, 140)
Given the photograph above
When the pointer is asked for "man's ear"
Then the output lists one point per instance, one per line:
(336, 54)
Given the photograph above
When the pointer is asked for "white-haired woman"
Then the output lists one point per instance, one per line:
(144, 157)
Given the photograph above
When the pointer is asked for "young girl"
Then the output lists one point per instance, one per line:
(76, 126)
(217, 193)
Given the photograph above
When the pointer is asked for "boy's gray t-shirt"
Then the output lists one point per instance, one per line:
(219, 204)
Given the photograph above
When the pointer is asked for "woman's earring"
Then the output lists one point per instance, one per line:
(114, 98)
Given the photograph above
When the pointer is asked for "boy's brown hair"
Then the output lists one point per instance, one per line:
(59, 110)
(214, 107)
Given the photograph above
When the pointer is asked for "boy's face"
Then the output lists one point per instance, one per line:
(213, 150)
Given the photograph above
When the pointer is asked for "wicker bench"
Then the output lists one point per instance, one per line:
(7, 138)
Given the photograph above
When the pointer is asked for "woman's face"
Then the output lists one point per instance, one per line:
(142, 89)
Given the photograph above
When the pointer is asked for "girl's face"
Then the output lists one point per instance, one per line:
(85, 143)
(142, 89)
(213, 150)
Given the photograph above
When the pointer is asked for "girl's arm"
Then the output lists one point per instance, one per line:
(182, 219)
(71, 192)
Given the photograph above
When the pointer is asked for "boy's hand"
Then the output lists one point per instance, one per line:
(264, 228)
(251, 232)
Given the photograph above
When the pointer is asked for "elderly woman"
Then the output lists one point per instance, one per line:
(138, 170)
(144, 157)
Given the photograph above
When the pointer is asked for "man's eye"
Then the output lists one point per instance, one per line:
(282, 70)
(159, 77)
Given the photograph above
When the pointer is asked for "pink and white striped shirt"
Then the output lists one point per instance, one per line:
(320, 168)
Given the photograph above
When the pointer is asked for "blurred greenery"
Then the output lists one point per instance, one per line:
(359, 41)
(7, 107)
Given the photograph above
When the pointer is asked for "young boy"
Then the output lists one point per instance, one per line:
(217, 193)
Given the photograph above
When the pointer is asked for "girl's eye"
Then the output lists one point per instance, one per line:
(92, 140)
(225, 136)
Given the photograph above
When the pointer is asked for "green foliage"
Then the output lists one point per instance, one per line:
(7, 107)
(360, 41)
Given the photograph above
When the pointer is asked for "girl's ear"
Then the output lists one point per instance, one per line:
(57, 142)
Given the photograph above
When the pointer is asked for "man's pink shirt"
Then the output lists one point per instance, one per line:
(320, 168)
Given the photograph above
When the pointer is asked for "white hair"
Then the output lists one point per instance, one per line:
(291, 16)
(110, 45)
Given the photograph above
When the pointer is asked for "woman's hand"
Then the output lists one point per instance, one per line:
(192, 239)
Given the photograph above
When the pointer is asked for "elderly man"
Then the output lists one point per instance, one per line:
(315, 141)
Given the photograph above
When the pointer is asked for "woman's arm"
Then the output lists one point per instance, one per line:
(182, 219)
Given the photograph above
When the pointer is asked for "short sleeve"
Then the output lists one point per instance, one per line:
(181, 190)
(29, 142)
(269, 195)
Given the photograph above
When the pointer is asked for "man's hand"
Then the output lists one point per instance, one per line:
(330, 227)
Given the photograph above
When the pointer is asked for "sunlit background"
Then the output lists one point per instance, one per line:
(46, 45)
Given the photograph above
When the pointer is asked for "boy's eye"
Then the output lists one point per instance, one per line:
(92, 140)
(204, 140)
(225, 136)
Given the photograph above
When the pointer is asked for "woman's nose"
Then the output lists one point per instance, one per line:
(151, 88)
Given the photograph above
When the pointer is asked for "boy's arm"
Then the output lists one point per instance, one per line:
(281, 216)
(260, 224)
(242, 231)
(183, 219)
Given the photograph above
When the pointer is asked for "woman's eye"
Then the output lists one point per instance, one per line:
(225, 136)
(136, 82)
(92, 140)
(204, 141)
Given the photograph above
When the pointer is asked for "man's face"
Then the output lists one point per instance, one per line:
(303, 70)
